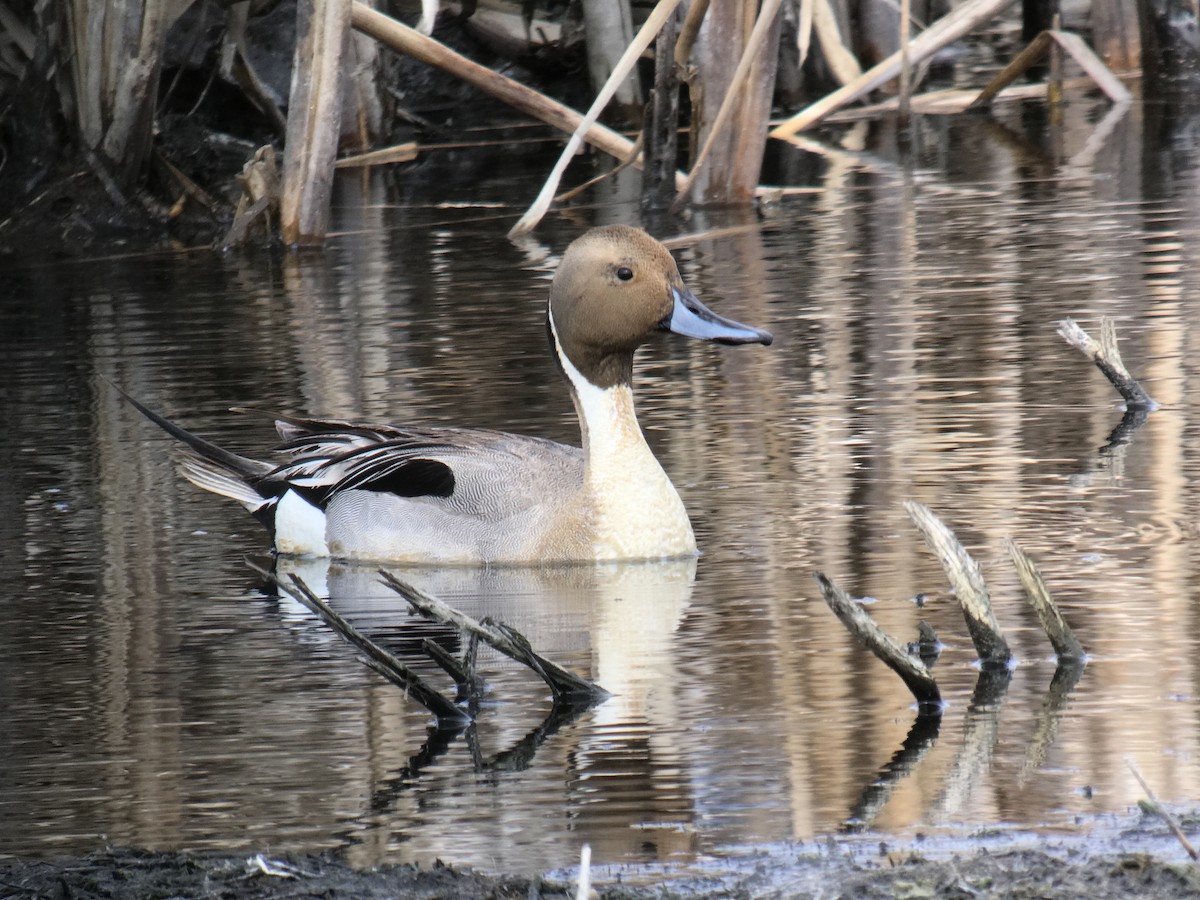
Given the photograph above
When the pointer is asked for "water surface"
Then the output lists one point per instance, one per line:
(157, 695)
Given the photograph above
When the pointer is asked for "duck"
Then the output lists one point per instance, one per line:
(476, 496)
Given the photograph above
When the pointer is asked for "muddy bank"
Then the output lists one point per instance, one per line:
(1059, 869)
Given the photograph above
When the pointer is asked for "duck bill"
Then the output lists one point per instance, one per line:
(692, 318)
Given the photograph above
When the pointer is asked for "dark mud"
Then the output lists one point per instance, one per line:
(1114, 865)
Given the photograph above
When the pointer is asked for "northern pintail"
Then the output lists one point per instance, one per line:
(390, 493)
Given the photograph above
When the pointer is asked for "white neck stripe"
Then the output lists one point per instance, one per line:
(607, 417)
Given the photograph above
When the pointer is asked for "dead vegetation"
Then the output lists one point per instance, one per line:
(721, 69)
(996, 660)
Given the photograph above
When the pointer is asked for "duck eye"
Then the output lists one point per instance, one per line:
(625, 273)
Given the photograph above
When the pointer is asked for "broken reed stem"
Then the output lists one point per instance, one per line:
(584, 890)
(541, 205)
(733, 96)
(946, 30)
(424, 49)
(562, 683)
(967, 581)
(912, 671)
(374, 656)
(1066, 645)
(1107, 358)
(688, 31)
(1162, 813)
(621, 166)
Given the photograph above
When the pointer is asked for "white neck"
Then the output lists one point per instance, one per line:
(625, 481)
(607, 418)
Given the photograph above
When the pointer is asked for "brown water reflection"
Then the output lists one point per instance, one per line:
(154, 695)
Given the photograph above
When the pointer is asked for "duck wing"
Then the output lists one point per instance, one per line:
(473, 469)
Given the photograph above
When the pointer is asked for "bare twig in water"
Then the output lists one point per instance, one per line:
(967, 582)
(564, 685)
(891, 652)
(448, 715)
(1066, 645)
(1162, 813)
(1107, 358)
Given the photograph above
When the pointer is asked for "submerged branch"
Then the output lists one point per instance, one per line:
(967, 582)
(1107, 358)
(564, 685)
(891, 652)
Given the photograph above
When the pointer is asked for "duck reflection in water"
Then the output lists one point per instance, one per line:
(613, 622)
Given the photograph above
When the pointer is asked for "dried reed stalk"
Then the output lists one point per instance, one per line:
(625, 64)
(967, 581)
(892, 653)
(941, 33)
(733, 96)
(1066, 645)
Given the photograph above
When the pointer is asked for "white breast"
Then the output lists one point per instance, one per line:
(636, 510)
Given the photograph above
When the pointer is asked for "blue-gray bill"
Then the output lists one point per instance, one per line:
(692, 318)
